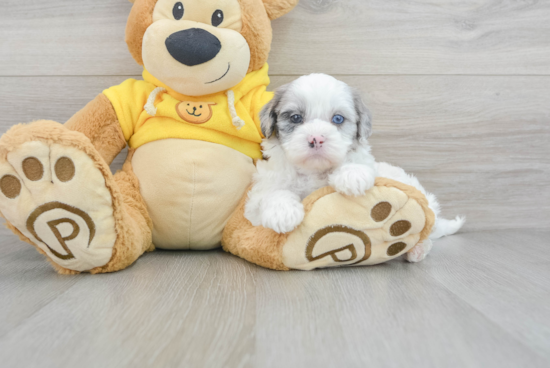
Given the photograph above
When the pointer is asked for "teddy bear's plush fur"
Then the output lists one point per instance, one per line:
(187, 179)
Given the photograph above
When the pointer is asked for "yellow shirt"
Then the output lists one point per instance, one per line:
(206, 118)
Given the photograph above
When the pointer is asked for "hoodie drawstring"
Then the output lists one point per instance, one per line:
(237, 121)
(150, 105)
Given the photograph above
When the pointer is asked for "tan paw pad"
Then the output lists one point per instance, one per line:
(57, 197)
(10, 186)
(33, 168)
(349, 231)
(386, 251)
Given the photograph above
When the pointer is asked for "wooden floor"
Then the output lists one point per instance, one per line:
(479, 300)
(460, 93)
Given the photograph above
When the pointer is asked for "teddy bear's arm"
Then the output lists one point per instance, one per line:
(98, 121)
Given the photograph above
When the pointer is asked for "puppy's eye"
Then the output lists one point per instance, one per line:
(178, 11)
(338, 119)
(217, 18)
(296, 119)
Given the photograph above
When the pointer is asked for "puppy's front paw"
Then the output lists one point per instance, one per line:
(352, 179)
(282, 211)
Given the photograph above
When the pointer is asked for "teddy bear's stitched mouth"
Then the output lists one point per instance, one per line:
(193, 113)
(220, 78)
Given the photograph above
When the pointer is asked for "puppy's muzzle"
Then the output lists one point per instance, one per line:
(193, 46)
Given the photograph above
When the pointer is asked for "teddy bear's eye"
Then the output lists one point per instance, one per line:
(217, 18)
(178, 11)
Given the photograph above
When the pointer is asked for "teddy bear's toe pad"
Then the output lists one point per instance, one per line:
(57, 198)
(353, 231)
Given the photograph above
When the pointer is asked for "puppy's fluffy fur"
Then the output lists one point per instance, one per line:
(316, 132)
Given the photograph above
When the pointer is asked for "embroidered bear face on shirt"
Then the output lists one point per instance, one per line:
(195, 112)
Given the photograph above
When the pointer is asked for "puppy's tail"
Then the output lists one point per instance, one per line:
(444, 227)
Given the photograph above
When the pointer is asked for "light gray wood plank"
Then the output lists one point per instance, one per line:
(393, 315)
(505, 275)
(62, 37)
(23, 288)
(25, 99)
(479, 143)
(413, 37)
(171, 309)
(332, 36)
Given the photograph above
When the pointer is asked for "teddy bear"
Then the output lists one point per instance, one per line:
(193, 130)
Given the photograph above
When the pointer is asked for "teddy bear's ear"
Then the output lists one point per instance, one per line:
(278, 8)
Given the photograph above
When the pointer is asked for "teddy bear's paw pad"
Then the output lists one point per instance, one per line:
(348, 231)
(57, 197)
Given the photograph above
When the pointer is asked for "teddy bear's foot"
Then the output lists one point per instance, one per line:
(338, 230)
(55, 195)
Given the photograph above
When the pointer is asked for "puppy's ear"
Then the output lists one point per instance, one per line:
(364, 117)
(269, 114)
(268, 119)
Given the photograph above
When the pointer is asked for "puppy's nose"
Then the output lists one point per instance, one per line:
(193, 46)
(316, 140)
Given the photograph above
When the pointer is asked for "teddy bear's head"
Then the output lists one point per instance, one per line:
(199, 47)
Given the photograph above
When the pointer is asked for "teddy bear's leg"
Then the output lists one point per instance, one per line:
(385, 223)
(135, 226)
(58, 194)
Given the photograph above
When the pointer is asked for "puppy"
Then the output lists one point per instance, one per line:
(316, 131)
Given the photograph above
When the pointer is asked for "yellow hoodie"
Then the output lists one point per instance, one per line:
(148, 111)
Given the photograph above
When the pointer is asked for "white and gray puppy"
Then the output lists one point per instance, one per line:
(316, 132)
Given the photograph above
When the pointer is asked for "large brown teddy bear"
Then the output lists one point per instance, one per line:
(193, 128)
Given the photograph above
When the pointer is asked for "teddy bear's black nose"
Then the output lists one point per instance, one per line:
(193, 46)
